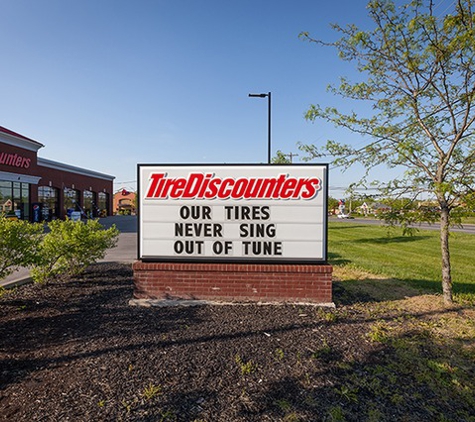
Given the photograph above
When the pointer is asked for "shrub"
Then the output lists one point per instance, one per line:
(69, 247)
(19, 241)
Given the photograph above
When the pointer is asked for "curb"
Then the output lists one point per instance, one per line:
(16, 283)
(164, 303)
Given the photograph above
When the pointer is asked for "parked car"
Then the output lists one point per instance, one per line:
(345, 216)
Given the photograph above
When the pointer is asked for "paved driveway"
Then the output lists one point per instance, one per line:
(125, 223)
(126, 249)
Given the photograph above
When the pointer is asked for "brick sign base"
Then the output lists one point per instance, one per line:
(233, 282)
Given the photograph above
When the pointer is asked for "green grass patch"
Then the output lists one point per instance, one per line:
(414, 259)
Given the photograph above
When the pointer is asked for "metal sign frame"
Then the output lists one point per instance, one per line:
(237, 213)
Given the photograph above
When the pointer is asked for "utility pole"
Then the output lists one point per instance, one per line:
(290, 155)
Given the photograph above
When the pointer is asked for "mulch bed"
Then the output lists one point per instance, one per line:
(78, 351)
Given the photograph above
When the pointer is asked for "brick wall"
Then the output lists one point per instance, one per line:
(238, 282)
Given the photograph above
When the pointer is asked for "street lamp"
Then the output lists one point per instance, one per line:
(268, 122)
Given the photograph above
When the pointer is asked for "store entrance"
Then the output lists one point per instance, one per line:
(15, 199)
(49, 200)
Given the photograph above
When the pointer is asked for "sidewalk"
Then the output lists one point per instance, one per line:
(125, 251)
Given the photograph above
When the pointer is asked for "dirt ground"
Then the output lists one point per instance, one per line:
(78, 351)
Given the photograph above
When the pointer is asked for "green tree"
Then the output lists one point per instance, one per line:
(418, 74)
(280, 158)
(332, 203)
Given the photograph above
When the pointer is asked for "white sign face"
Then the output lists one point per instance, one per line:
(253, 213)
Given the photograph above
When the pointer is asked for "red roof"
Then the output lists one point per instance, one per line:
(17, 135)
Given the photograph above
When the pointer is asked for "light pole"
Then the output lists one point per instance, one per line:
(268, 95)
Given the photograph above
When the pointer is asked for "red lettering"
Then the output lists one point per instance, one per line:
(178, 187)
(14, 160)
(225, 189)
(312, 186)
(206, 186)
(152, 187)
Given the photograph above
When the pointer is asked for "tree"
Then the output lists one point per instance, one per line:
(332, 203)
(418, 73)
(280, 158)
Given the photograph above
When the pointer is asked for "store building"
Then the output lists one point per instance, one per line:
(124, 202)
(36, 189)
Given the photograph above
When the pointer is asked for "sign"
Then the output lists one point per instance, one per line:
(250, 213)
(75, 216)
(14, 160)
(37, 212)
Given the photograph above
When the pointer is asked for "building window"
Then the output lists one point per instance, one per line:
(71, 201)
(103, 204)
(89, 204)
(49, 199)
(15, 199)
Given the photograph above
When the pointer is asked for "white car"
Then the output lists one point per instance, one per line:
(344, 216)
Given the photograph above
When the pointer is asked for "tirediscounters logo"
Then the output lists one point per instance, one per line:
(256, 213)
(208, 186)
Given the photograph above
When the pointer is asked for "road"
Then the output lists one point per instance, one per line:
(467, 228)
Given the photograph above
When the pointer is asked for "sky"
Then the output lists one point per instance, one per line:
(108, 84)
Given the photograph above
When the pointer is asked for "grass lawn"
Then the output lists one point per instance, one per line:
(410, 259)
(394, 280)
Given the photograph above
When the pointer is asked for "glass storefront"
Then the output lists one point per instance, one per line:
(71, 201)
(102, 204)
(49, 198)
(15, 199)
(89, 202)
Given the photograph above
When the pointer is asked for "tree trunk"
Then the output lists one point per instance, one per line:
(444, 245)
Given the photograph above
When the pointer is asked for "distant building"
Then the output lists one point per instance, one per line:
(378, 207)
(124, 202)
(35, 188)
(364, 208)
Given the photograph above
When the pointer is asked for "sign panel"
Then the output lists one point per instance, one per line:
(250, 213)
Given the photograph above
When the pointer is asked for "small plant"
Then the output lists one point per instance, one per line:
(379, 332)
(348, 393)
(151, 391)
(101, 403)
(336, 414)
(374, 415)
(327, 316)
(283, 405)
(127, 406)
(167, 416)
(279, 353)
(397, 399)
(324, 352)
(246, 367)
(291, 417)
(308, 379)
